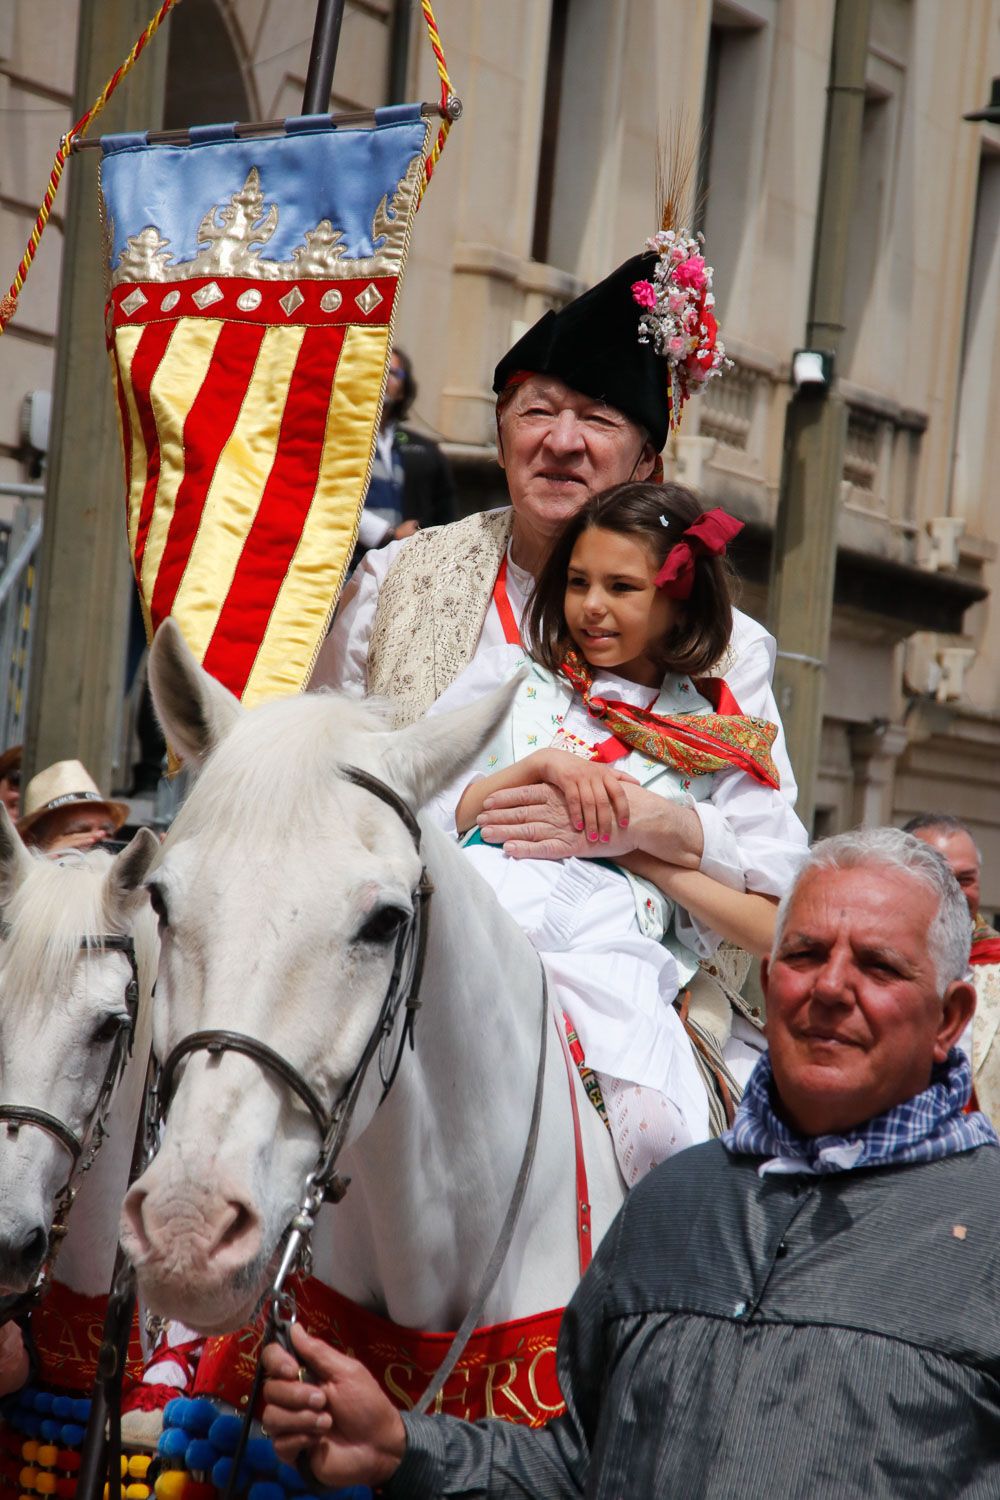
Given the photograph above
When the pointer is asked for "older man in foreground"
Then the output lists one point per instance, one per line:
(809, 1306)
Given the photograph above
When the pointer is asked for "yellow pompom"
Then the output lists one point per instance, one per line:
(170, 1485)
(138, 1465)
(47, 1455)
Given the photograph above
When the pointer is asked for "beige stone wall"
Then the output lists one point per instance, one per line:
(913, 718)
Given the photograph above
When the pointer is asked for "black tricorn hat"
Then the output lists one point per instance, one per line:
(592, 344)
(992, 110)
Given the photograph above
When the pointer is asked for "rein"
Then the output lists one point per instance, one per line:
(82, 1148)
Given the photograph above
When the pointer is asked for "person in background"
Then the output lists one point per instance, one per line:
(63, 809)
(806, 1307)
(411, 483)
(10, 780)
(953, 841)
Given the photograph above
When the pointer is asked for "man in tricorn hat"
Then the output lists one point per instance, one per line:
(582, 404)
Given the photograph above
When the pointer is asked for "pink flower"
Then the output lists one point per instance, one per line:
(644, 293)
(676, 301)
(692, 272)
(676, 346)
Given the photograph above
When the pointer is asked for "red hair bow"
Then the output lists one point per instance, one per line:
(712, 532)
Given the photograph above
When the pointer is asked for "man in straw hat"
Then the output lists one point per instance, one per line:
(63, 809)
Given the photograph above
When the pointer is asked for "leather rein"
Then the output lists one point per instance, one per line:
(83, 1147)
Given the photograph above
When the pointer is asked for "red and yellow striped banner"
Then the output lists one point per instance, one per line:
(249, 385)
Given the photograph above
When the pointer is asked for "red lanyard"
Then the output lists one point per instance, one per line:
(511, 633)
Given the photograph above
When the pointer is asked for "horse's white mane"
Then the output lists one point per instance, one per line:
(57, 906)
(272, 768)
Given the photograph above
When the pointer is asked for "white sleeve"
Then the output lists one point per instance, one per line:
(749, 680)
(372, 530)
(753, 842)
(484, 673)
(342, 662)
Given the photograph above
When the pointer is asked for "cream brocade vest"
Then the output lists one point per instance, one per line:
(431, 608)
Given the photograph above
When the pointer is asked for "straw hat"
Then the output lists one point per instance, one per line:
(65, 784)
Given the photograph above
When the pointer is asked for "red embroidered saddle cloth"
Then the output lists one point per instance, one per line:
(67, 1329)
(506, 1371)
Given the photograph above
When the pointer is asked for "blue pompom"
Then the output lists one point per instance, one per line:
(290, 1477)
(71, 1435)
(173, 1442)
(225, 1433)
(266, 1489)
(62, 1407)
(50, 1430)
(171, 1412)
(222, 1470)
(43, 1400)
(261, 1455)
(81, 1411)
(200, 1455)
(198, 1416)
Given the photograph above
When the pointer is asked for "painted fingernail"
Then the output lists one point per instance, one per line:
(592, 837)
(578, 827)
(623, 822)
(605, 838)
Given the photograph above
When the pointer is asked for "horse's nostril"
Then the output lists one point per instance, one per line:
(33, 1247)
(241, 1224)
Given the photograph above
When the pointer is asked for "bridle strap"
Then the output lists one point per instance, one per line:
(216, 1042)
(25, 1114)
(385, 794)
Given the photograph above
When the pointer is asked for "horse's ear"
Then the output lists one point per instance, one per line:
(129, 869)
(15, 861)
(425, 757)
(196, 712)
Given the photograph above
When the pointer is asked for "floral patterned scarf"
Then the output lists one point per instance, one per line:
(694, 744)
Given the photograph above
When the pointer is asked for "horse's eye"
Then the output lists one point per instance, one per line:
(107, 1030)
(382, 925)
(158, 902)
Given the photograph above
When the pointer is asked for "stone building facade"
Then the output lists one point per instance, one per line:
(548, 182)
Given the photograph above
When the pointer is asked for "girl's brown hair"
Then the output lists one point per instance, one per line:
(701, 635)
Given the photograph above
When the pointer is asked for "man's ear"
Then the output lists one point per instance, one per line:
(957, 1009)
(765, 976)
(645, 463)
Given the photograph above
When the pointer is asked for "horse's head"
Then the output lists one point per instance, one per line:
(279, 893)
(64, 1001)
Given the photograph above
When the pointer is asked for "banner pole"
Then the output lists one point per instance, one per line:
(323, 57)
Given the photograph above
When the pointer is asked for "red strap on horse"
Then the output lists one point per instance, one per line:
(584, 1226)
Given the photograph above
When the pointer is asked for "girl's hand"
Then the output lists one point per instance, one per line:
(595, 793)
(346, 1424)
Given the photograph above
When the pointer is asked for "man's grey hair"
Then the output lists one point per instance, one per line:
(946, 822)
(949, 937)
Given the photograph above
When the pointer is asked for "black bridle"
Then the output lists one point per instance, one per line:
(403, 993)
(82, 1147)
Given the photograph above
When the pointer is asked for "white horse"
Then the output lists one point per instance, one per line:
(279, 891)
(64, 1001)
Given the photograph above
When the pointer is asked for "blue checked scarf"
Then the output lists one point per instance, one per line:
(925, 1128)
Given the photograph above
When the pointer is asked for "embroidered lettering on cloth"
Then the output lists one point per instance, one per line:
(695, 744)
(925, 1128)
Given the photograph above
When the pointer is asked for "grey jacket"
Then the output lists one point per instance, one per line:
(779, 1337)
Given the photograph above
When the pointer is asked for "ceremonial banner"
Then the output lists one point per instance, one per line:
(253, 289)
(507, 1370)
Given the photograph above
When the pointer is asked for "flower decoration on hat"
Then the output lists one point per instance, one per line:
(677, 315)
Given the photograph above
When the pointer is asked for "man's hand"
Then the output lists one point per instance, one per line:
(347, 1425)
(13, 1359)
(533, 822)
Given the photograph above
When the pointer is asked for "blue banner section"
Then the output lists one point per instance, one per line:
(310, 175)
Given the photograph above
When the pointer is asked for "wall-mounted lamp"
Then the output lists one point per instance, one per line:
(812, 370)
(992, 110)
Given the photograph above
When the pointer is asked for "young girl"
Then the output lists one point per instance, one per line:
(631, 608)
